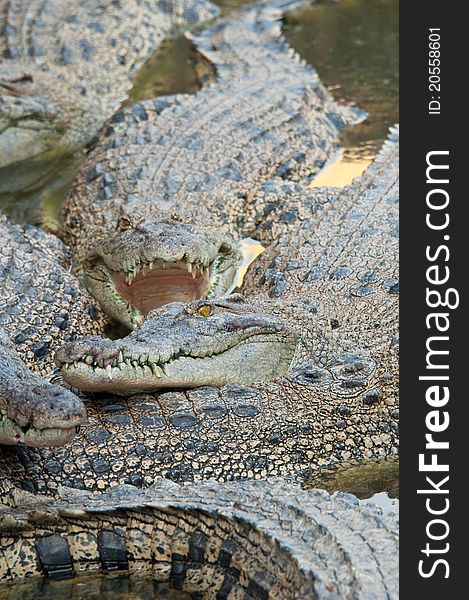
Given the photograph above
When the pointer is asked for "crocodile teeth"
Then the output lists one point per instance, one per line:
(156, 370)
(109, 371)
(120, 357)
(89, 360)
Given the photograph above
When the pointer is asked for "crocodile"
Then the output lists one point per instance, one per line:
(341, 406)
(249, 539)
(237, 539)
(67, 67)
(167, 192)
(32, 411)
(323, 294)
(41, 306)
(243, 540)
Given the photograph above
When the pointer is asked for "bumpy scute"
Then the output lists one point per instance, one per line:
(198, 160)
(242, 539)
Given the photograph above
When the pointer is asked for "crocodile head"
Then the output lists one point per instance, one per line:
(184, 345)
(147, 265)
(39, 415)
(34, 412)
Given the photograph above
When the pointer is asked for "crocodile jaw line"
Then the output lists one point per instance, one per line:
(128, 295)
(260, 356)
(34, 436)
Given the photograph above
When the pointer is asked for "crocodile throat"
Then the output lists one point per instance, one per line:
(154, 286)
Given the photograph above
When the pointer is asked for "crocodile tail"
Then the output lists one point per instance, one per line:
(241, 539)
(259, 28)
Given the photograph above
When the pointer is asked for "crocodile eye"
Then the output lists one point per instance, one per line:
(205, 310)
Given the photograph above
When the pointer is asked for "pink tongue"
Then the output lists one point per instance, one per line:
(160, 287)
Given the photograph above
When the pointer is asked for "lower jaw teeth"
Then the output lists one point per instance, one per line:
(148, 369)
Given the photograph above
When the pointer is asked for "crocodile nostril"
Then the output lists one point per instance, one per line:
(38, 390)
(47, 391)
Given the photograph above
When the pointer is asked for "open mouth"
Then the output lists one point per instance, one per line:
(135, 288)
(150, 285)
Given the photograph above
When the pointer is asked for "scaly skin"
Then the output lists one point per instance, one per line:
(327, 289)
(41, 306)
(171, 185)
(183, 346)
(246, 539)
(243, 540)
(32, 411)
(67, 67)
(315, 416)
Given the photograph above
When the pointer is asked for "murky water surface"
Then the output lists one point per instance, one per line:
(353, 45)
(372, 481)
(95, 587)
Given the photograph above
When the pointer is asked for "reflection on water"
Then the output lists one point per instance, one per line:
(370, 481)
(342, 169)
(354, 46)
(41, 201)
(94, 587)
(175, 68)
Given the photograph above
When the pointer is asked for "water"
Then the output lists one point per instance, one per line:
(354, 46)
(372, 481)
(94, 587)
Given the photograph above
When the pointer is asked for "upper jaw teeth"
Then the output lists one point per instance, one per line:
(143, 364)
(132, 270)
